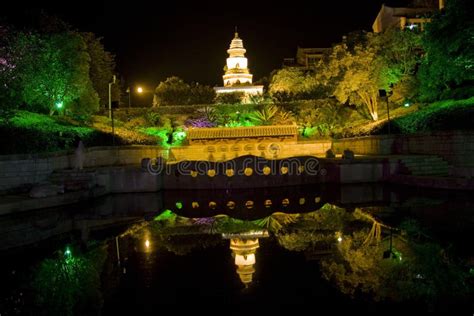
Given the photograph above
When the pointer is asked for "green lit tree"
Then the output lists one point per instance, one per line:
(447, 71)
(364, 63)
(54, 71)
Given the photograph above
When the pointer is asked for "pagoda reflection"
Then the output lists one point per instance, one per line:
(244, 247)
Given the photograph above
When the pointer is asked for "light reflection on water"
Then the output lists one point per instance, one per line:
(349, 256)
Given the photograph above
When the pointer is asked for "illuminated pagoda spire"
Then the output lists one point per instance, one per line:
(236, 69)
(237, 77)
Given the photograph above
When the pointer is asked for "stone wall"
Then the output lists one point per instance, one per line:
(456, 147)
(263, 149)
(16, 170)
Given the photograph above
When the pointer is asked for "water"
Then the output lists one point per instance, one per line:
(275, 251)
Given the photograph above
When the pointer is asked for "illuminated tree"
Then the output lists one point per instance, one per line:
(54, 71)
(447, 71)
(364, 63)
(293, 83)
(353, 73)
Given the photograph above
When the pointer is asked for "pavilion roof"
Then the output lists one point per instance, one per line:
(239, 132)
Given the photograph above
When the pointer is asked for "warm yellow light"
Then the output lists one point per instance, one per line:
(245, 260)
(139, 89)
(147, 243)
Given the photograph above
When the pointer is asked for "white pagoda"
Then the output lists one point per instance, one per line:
(237, 77)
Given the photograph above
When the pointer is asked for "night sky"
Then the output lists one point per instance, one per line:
(154, 40)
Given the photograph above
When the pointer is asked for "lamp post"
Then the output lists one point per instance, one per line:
(129, 91)
(110, 96)
(111, 112)
(385, 95)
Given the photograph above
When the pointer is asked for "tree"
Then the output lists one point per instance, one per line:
(364, 63)
(352, 72)
(10, 98)
(54, 71)
(101, 66)
(172, 91)
(202, 94)
(447, 71)
(293, 83)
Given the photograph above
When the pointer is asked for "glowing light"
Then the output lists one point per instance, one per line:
(231, 205)
(59, 104)
(412, 26)
(179, 205)
(67, 252)
(339, 239)
(248, 172)
(147, 243)
(139, 89)
(245, 260)
(266, 170)
(268, 203)
(407, 104)
(211, 173)
(249, 204)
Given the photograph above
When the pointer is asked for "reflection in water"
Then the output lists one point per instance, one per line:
(244, 248)
(356, 252)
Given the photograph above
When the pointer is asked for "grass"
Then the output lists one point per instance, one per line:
(440, 116)
(27, 132)
(446, 115)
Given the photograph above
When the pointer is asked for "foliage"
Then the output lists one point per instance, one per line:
(270, 114)
(174, 91)
(201, 94)
(70, 283)
(447, 71)
(101, 66)
(365, 63)
(294, 84)
(439, 116)
(10, 94)
(54, 68)
(230, 98)
(320, 117)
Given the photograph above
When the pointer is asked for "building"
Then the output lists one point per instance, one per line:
(305, 57)
(410, 17)
(237, 76)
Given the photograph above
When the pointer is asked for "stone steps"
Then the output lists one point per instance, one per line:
(74, 180)
(425, 166)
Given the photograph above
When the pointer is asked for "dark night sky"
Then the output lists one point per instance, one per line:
(154, 40)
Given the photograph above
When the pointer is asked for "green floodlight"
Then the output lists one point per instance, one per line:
(59, 104)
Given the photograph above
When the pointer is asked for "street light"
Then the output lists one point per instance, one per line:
(110, 96)
(111, 113)
(385, 95)
(129, 96)
(139, 89)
